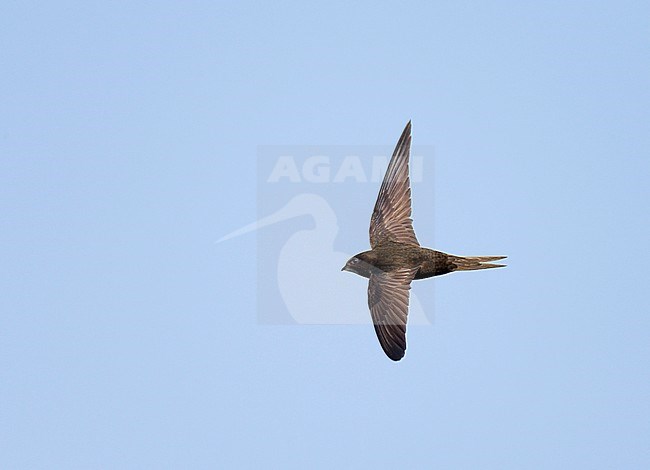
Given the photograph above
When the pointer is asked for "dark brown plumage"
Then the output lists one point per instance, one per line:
(396, 257)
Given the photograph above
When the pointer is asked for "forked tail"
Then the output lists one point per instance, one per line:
(471, 263)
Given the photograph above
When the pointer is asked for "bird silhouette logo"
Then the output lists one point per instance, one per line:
(307, 265)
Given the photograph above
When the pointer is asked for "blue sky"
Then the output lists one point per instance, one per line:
(129, 138)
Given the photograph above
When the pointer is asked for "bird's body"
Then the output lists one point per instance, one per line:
(391, 256)
(396, 257)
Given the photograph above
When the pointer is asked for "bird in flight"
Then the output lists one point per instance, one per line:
(396, 257)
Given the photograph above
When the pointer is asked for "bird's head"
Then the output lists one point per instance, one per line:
(358, 265)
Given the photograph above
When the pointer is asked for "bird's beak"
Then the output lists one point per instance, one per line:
(343, 268)
(279, 216)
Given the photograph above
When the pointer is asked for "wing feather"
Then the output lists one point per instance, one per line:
(388, 299)
(391, 217)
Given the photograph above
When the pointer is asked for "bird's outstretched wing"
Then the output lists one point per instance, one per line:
(388, 299)
(391, 218)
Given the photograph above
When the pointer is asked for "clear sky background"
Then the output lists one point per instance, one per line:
(128, 143)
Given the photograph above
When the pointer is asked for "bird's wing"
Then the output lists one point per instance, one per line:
(391, 218)
(388, 299)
